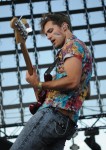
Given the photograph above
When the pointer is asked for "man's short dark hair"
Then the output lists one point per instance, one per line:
(57, 19)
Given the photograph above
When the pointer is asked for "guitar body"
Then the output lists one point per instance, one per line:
(41, 96)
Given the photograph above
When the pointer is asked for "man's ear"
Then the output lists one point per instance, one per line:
(64, 26)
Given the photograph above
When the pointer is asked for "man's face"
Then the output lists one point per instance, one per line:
(55, 34)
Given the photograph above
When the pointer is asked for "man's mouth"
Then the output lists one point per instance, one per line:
(53, 41)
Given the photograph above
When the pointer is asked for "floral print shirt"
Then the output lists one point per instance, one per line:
(71, 100)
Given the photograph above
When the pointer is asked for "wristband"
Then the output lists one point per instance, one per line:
(39, 85)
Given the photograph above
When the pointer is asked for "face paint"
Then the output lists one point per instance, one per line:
(57, 34)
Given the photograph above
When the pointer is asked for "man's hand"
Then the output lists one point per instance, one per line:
(32, 79)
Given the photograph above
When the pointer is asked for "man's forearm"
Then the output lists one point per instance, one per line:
(64, 83)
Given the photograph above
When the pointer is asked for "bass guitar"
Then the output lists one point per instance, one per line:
(21, 34)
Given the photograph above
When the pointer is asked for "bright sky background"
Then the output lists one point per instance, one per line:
(9, 61)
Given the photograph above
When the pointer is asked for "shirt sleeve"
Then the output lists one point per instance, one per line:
(74, 50)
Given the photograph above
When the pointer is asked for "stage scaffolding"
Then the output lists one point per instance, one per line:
(15, 93)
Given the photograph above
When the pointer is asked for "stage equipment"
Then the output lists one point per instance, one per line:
(90, 141)
(5, 144)
(74, 147)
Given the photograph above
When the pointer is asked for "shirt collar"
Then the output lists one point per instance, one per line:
(69, 39)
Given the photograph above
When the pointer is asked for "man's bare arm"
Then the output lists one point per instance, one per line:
(73, 69)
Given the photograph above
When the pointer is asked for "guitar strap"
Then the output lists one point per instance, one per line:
(48, 71)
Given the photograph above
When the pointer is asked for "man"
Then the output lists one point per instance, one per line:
(55, 121)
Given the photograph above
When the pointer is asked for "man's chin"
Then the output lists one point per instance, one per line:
(57, 46)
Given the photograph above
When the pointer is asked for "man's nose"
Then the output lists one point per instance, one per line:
(49, 37)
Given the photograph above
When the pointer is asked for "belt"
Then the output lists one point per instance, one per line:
(66, 112)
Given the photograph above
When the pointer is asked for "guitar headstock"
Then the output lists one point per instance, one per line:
(20, 30)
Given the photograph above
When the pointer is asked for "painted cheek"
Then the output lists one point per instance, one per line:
(57, 34)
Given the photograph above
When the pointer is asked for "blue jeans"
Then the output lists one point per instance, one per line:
(47, 129)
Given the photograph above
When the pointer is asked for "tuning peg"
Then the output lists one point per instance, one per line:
(18, 28)
(21, 33)
(24, 37)
(16, 23)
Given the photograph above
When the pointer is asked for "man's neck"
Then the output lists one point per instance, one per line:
(69, 35)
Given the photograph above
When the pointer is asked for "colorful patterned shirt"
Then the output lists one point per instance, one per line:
(71, 100)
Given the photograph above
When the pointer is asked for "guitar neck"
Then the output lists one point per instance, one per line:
(27, 58)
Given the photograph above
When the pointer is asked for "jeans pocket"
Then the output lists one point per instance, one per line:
(73, 129)
(61, 126)
(71, 133)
